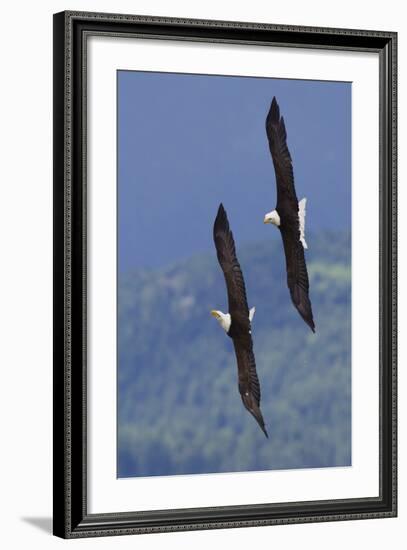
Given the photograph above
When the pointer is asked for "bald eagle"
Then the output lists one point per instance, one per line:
(289, 215)
(237, 323)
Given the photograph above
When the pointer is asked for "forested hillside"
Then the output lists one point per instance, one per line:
(179, 409)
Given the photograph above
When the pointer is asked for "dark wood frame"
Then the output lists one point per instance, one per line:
(71, 518)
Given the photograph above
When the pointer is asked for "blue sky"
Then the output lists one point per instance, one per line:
(188, 142)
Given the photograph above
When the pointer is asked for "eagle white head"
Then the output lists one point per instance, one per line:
(272, 217)
(224, 319)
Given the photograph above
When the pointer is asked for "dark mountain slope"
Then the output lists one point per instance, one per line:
(179, 406)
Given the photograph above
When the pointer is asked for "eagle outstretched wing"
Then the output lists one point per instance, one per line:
(297, 275)
(283, 167)
(226, 252)
(249, 386)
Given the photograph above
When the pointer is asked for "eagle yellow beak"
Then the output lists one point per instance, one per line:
(215, 314)
(266, 220)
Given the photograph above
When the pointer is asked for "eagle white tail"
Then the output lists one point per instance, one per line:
(251, 313)
(301, 215)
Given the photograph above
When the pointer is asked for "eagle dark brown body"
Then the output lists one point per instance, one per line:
(240, 327)
(287, 209)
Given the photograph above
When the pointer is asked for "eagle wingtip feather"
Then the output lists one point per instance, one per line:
(221, 220)
(265, 433)
(274, 113)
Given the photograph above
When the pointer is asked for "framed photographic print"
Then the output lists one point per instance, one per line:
(224, 274)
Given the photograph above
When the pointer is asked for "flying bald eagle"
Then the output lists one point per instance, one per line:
(237, 323)
(289, 215)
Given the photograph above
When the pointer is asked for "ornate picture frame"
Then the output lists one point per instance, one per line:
(72, 515)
